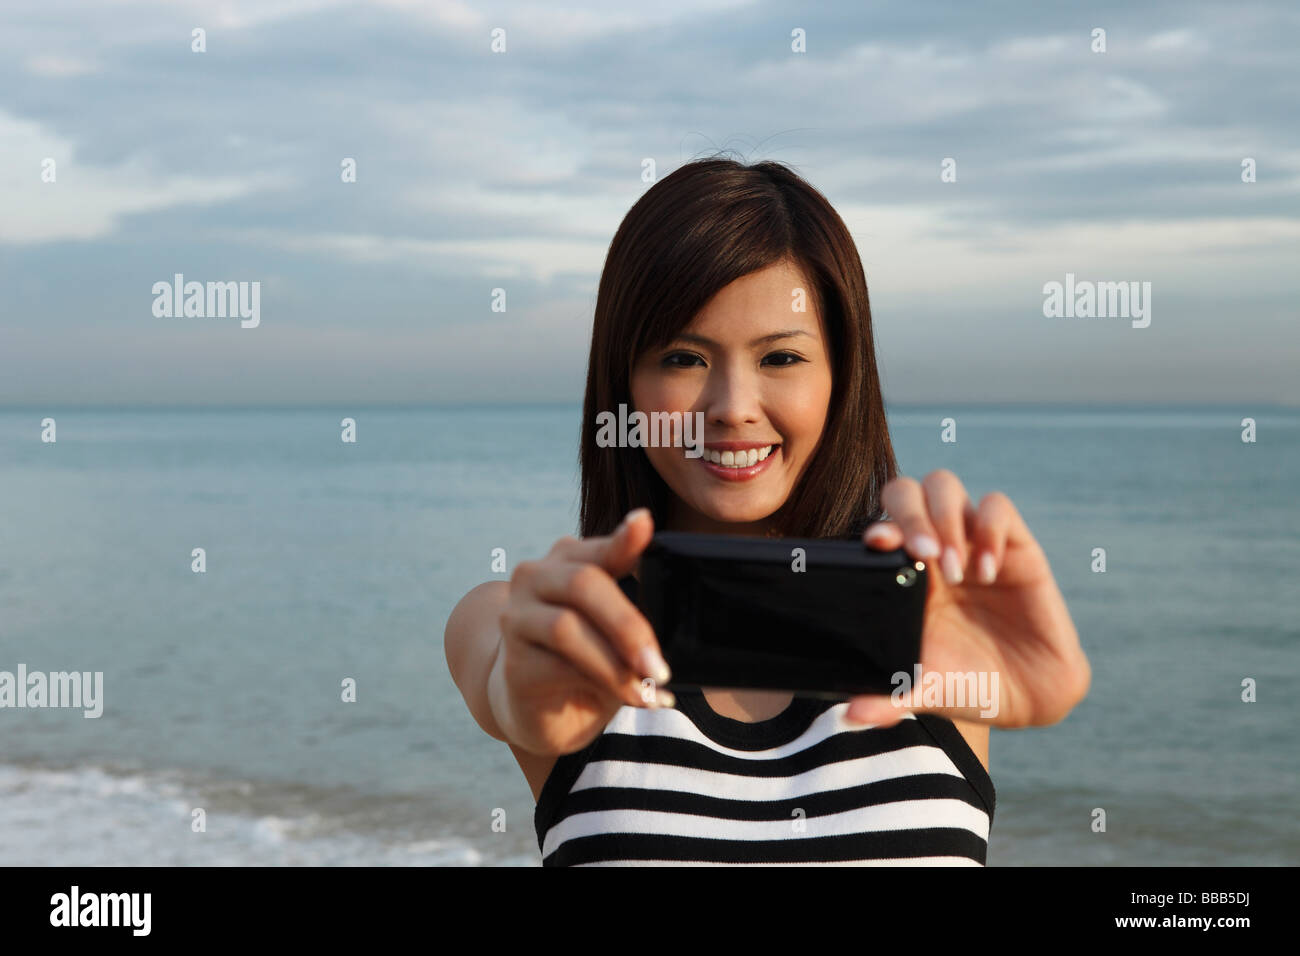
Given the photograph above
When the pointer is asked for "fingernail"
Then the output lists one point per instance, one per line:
(951, 565)
(987, 569)
(859, 714)
(664, 698)
(645, 692)
(634, 513)
(924, 546)
(877, 531)
(653, 665)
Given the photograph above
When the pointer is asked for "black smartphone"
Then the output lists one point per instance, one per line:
(819, 617)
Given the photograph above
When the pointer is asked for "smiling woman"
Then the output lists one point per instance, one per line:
(735, 294)
(763, 395)
(729, 284)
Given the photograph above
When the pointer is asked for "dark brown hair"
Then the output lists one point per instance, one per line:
(707, 224)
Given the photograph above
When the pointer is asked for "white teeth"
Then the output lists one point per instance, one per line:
(738, 459)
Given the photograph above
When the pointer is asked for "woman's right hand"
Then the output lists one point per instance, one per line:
(574, 649)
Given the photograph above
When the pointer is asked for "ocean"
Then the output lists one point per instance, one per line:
(329, 561)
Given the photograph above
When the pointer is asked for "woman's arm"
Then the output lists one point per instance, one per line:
(994, 612)
(546, 660)
(471, 642)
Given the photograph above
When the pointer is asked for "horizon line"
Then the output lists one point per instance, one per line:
(556, 403)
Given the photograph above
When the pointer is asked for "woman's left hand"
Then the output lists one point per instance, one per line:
(1000, 614)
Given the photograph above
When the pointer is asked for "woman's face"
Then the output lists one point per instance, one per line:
(760, 372)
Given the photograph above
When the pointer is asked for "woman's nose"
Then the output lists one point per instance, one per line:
(732, 399)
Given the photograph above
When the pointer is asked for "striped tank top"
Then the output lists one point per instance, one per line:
(688, 786)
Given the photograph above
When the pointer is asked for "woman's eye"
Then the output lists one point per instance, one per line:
(688, 359)
(685, 356)
(786, 355)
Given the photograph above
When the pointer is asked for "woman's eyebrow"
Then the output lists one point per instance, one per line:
(761, 340)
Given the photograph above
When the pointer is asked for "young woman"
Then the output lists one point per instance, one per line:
(737, 291)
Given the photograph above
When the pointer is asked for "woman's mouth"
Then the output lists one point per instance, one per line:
(731, 463)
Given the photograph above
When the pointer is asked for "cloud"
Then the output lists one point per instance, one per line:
(563, 22)
(243, 14)
(539, 259)
(55, 66)
(479, 169)
(85, 201)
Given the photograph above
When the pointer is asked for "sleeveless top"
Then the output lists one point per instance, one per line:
(688, 786)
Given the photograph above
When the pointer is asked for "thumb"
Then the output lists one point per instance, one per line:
(880, 710)
(623, 548)
(885, 710)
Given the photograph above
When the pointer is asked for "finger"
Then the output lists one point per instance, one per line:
(547, 667)
(993, 523)
(616, 552)
(563, 634)
(875, 710)
(884, 535)
(905, 501)
(946, 500)
(590, 590)
(983, 703)
(630, 539)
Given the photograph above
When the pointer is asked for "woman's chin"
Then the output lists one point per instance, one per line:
(732, 514)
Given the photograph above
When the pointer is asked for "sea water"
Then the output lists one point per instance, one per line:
(225, 737)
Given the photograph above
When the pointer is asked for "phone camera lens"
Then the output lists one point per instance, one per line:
(906, 577)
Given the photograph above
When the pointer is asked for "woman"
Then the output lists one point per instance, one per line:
(736, 291)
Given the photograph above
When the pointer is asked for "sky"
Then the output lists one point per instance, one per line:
(479, 169)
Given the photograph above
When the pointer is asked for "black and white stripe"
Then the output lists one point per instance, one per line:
(687, 786)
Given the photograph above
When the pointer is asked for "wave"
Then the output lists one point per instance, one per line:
(94, 815)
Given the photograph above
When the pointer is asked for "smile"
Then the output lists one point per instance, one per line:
(738, 464)
(738, 459)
